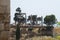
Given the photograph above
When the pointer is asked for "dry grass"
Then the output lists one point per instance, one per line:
(56, 31)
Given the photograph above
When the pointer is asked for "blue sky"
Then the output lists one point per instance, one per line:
(38, 7)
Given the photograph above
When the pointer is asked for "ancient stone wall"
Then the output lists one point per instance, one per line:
(4, 19)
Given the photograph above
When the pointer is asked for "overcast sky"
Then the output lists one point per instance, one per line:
(38, 7)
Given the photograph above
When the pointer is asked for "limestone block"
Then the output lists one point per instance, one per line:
(2, 9)
(6, 27)
(6, 3)
(1, 26)
(4, 35)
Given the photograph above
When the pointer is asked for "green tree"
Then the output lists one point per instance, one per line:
(50, 20)
(32, 18)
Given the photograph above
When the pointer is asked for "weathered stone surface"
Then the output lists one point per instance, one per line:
(4, 19)
(1, 26)
(4, 35)
(6, 4)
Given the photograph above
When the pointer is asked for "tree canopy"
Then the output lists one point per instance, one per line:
(32, 18)
(50, 20)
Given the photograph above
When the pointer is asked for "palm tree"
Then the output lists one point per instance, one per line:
(17, 19)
